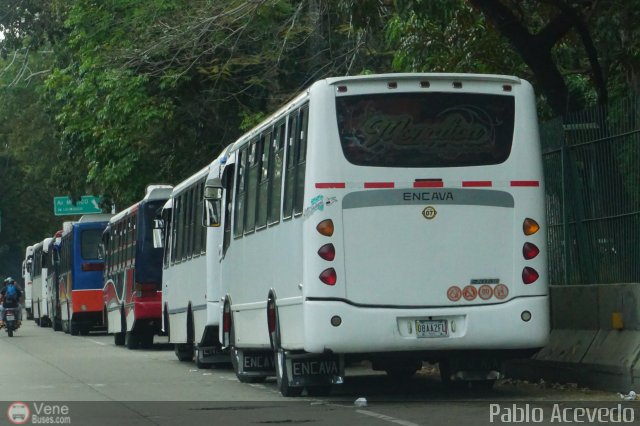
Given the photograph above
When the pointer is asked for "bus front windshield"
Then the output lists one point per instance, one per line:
(425, 129)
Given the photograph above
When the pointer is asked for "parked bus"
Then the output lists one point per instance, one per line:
(133, 272)
(26, 280)
(53, 299)
(80, 274)
(40, 287)
(190, 302)
(395, 218)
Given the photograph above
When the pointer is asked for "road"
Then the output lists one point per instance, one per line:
(104, 384)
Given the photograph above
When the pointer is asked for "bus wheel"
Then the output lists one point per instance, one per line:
(322, 390)
(282, 376)
(146, 340)
(132, 340)
(74, 329)
(184, 352)
(118, 339)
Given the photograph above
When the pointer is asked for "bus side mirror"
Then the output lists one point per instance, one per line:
(158, 233)
(211, 216)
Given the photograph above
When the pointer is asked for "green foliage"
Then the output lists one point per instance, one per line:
(108, 97)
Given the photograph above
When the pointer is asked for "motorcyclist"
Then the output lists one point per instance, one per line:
(10, 297)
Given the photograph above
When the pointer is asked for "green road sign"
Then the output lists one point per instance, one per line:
(88, 204)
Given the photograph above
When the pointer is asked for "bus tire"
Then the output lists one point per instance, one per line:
(184, 352)
(322, 390)
(57, 325)
(132, 340)
(119, 338)
(282, 378)
(146, 340)
(74, 329)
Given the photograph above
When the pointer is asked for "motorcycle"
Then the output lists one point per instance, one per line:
(10, 321)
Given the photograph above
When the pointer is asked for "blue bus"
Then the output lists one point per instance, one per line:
(80, 274)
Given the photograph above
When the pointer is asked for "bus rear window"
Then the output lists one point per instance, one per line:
(425, 129)
(89, 242)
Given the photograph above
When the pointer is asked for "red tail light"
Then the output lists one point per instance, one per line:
(90, 267)
(271, 318)
(329, 276)
(530, 250)
(529, 275)
(226, 325)
(226, 321)
(325, 227)
(530, 226)
(327, 252)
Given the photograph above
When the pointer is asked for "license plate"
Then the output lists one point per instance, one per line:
(432, 328)
(10, 317)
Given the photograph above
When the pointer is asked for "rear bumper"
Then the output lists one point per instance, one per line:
(388, 329)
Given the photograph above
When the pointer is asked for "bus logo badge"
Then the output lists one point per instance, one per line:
(429, 212)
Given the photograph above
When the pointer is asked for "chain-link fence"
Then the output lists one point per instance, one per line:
(592, 174)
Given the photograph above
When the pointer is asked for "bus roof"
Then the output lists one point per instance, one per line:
(431, 76)
(95, 218)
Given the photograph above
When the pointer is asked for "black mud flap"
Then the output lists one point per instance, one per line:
(211, 355)
(308, 370)
(251, 365)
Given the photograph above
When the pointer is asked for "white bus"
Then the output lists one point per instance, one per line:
(190, 303)
(26, 280)
(395, 218)
(40, 287)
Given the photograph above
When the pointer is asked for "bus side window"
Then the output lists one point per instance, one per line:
(228, 177)
(276, 173)
(263, 181)
(303, 124)
(238, 219)
(252, 185)
(290, 166)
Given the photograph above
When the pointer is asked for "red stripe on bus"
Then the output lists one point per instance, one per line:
(327, 185)
(476, 183)
(428, 184)
(379, 185)
(525, 183)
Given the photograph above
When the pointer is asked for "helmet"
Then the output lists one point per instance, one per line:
(8, 280)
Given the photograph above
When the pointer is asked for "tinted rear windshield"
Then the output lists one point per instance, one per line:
(89, 242)
(425, 129)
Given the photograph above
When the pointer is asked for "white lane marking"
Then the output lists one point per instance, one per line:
(387, 418)
(97, 343)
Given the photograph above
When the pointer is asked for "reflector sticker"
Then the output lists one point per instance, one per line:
(501, 291)
(470, 293)
(485, 292)
(454, 293)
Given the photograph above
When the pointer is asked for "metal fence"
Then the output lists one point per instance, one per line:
(592, 176)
